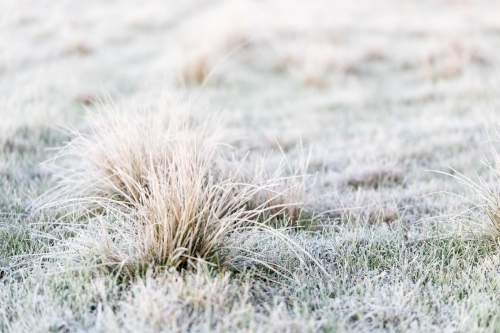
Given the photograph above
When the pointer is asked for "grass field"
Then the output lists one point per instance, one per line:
(249, 166)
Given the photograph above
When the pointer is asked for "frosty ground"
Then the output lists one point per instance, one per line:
(384, 96)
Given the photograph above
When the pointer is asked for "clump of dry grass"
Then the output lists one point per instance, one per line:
(151, 191)
(194, 72)
(484, 213)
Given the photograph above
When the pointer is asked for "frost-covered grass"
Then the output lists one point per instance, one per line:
(332, 120)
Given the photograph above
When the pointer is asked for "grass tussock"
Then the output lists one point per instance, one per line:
(194, 72)
(152, 191)
(484, 214)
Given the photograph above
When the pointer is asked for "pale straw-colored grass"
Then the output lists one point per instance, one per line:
(482, 215)
(151, 190)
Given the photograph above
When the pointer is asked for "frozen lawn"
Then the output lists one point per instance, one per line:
(378, 93)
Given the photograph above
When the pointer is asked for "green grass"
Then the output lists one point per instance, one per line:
(378, 281)
(426, 277)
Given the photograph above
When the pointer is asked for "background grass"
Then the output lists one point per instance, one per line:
(379, 92)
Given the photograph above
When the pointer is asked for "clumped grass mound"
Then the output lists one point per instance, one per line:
(484, 214)
(150, 190)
